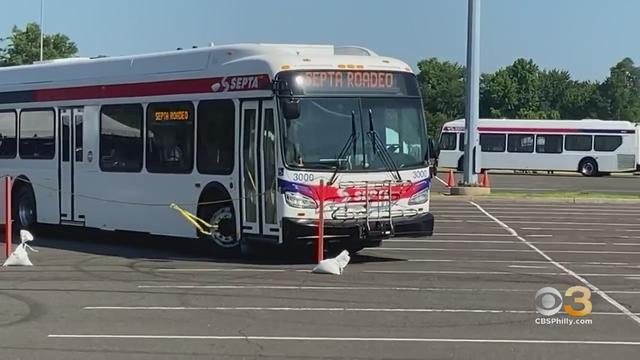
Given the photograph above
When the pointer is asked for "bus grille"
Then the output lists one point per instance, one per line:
(626, 161)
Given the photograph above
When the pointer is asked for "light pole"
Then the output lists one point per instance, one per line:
(41, 29)
(472, 98)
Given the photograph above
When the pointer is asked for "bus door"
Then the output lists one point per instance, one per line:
(71, 153)
(258, 170)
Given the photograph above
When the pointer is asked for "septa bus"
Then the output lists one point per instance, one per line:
(240, 135)
(591, 147)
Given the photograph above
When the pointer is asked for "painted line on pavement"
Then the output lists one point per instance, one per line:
(602, 294)
(453, 272)
(341, 339)
(505, 250)
(356, 288)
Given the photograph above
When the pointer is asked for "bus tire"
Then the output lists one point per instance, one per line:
(588, 167)
(216, 208)
(460, 163)
(24, 208)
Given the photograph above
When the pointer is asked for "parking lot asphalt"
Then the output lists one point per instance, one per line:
(465, 293)
(621, 184)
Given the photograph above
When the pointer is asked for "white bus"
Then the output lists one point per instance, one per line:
(590, 147)
(240, 135)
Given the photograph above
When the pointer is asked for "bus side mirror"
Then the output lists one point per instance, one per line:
(434, 148)
(290, 108)
(432, 156)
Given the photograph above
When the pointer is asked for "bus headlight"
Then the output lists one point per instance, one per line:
(297, 200)
(420, 197)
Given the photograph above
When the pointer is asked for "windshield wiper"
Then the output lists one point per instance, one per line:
(351, 142)
(376, 142)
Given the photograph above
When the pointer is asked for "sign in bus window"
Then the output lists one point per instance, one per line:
(174, 115)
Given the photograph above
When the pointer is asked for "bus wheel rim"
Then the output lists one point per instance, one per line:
(219, 218)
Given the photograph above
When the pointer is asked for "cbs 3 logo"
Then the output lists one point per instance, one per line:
(549, 301)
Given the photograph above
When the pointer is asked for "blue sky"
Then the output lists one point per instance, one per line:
(585, 37)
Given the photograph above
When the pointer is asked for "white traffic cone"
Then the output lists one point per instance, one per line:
(20, 257)
(333, 266)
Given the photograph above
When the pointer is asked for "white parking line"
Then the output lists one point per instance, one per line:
(507, 242)
(341, 339)
(327, 288)
(573, 223)
(471, 234)
(527, 267)
(602, 294)
(576, 229)
(451, 241)
(325, 309)
(442, 182)
(468, 211)
(587, 263)
(313, 309)
(218, 270)
(505, 250)
(355, 288)
(438, 272)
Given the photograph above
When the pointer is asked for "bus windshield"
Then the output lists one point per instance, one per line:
(315, 139)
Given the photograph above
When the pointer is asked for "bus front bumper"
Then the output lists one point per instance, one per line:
(355, 232)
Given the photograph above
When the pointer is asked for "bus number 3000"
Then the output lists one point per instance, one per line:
(304, 177)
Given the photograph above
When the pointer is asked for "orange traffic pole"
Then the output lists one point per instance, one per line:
(320, 242)
(7, 217)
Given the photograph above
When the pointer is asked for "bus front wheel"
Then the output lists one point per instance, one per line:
(588, 167)
(223, 232)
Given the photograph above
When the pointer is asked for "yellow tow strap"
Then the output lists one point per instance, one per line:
(196, 221)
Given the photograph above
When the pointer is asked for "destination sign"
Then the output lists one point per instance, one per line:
(349, 79)
(351, 82)
(180, 115)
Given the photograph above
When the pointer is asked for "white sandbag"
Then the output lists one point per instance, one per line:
(25, 236)
(333, 266)
(20, 257)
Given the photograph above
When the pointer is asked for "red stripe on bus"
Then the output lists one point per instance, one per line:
(532, 130)
(157, 88)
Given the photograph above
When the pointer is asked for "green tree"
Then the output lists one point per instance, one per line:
(514, 92)
(442, 87)
(622, 91)
(23, 46)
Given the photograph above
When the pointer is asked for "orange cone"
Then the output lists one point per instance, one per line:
(481, 179)
(451, 179)
(484, 179)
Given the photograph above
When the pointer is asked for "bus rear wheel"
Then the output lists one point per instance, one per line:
(24, 209)
(588, 167)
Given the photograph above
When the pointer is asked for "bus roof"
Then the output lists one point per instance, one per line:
(225, 60)
(514, 124)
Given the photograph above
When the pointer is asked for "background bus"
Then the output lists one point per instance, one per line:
(590, 147)
(241, 135)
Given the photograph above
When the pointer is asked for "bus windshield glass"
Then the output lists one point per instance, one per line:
(317, 137)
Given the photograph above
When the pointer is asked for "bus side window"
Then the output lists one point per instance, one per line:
(216, 137)
(8, 134)
(461, 142)
(549, 144)
(492, 142)
(448, 141)
(37, 139)
(607, 142)
(578, 142)
(170, 137)
(121, 138)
